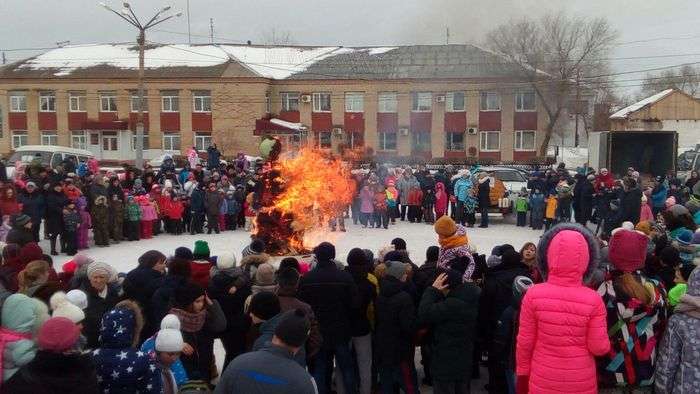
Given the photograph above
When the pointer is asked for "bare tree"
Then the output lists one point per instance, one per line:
(275, 36)
(552, 53)
(687, 79)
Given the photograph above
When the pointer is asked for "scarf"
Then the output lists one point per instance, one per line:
(190, 322)
(456, 246)
(455, 240)
(689, 305)
(8, 336)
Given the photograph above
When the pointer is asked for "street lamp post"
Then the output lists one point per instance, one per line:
(128, 15)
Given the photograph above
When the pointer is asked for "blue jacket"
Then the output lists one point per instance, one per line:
(658, 199)
(177, 369)
(462, 188)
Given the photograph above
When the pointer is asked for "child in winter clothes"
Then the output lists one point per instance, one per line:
(249, 212)
(148, 215)
(71, 221)
(172, 324)
(116, 218)
(381, 211)
(562, 314)
(223, 209)
(85, 223)
(521, 208)
(441, 199)
(415, 202)
(537, 207)
(677, 368)
(366, 207)
(174, 215)
(100, 221)
(132, 216)
(5, 227)
(550, 212)
(21, 318)
(428, 206)
(682, 276)
(392, 201)
(564, 198)
(201, 264)
(232, 209)
(645, 213)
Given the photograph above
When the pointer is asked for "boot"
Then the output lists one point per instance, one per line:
(52, 241)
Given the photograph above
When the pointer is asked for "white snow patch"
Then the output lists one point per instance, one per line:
(623, 113)
(289, 125)
(380, 50)
(278, 62)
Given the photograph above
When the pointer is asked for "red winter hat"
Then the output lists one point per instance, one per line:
(627, 250)
(58, 334)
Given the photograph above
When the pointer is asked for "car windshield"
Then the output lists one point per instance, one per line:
(509, 176)
(28, 156)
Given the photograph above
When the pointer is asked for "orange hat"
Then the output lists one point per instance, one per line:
(445, 226)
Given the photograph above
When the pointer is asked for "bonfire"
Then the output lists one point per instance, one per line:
(300, 195)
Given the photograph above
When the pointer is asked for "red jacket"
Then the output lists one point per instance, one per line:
(199, 272)
(10, 206)
(175, 210)
(415, 197)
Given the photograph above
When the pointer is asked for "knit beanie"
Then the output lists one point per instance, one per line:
(21, 219)
(325, 251)
(685, 237)
(520, 286)
(99, 267)
(184, 253)
(62, 307)
(265, 275)
(201, 249)
(679, 210)
(293, 328)
(395, 269)
(357, 257)
(265, 305)
(445, 226)
(257, 246)
(225, 261)
(399, 244)
(186, 294)
(170, 321)
(58, 334)
(627, 249)
(169, 340)
(77, 298)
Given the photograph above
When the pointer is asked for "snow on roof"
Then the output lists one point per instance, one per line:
(289, 125)
(625, 112)
(277, 62)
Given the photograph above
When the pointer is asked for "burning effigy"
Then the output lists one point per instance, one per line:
(298, 195)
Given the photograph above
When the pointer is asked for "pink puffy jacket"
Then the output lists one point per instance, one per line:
(562, 322)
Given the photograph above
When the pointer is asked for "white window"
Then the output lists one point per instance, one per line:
(355, 139)
(421, 142)
(422, 101)
(354, 102)
(19, 138)
(387, 140)
(290, 101)
(268, 103)
(47, 102)
(134, 103)
(18, 102)
(110, 142)
(170, 102)
(49, 138)
(455, 101)
(490, 101)
(454, 141)
(525, 101)
(78, 140)
(490, 141)
(322, 102)
(77, 102)
(388, 103)
(171, 141)
(202, 101)
(202, 141)
(145, 141)
(108, 102)
(524, 140)
(324, 139)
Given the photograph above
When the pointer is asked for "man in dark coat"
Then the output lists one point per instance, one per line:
(55, 201)
(449, 307)
(21, 232)
(213, 157)
(198, 210)
(583, 199)
(212, 203)
(333, 295)
(34, 206)
(484, 198)
(631, 201)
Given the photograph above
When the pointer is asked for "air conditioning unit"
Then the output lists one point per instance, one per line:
(440, 98)
(305, 98)
(403, 131)
(472, 130)
(337, 131)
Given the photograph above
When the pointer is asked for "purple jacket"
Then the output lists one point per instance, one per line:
(366, 200)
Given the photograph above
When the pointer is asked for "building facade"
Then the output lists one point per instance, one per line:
(451, 101)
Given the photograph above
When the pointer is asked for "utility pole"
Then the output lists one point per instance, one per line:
(189, 30)
(447, 35)
(211, 30)
(578, 106)
(128, 15)
(4, 59)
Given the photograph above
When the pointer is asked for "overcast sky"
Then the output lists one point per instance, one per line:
(42, 23)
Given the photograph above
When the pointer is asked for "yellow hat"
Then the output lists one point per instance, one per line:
(445, 226)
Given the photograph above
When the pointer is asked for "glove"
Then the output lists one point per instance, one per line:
(522, 383)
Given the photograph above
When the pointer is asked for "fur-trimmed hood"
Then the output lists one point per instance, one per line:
(568, 254)
(121, 326)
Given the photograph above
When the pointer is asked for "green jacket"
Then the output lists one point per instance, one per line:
(452, 322)
(521, 204)
(674, 296)
(132, 212)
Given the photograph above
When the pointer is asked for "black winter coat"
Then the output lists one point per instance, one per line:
(54, 212)
(452, 321)
(198, 365)
(395, 323)
(161, 301)
(232, 304)
(497, 295)
(425, 276)
(367, 293)
(139, 285)
(97, 307)
(197, 201)
(631, 205)
(55, 373)
(33, 205)
(483, 193)
(332, 295)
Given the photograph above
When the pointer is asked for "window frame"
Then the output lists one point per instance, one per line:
(80, 135)
(387, 97)
(520, 133)
(146, 141)
(50, 135)
(111, 137)
(170, 136)
(449, 102)
(268, 103)
(78, 98)
(316, 99)
(201, 97)
(416, 101)
(48, 98)
(17, 101)
(487, 133)
(354, 100)
(170, 99)
(382, 140)
(486, 95)
(111, 98)
(144, 104)
(520, 101)
(287, 98)
(21, 135)
(416, 141)
(450, 143)
(202, 137)
(320, 135)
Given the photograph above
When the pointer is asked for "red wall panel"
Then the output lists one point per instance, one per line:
(450, 154)
(490, 120)
(321, 121)
(133, 118)
(523, 155)
(525, 121)
(455, 121)
(490, 155)
(354, 121)
(76, 120)
(47, 121)
(387, 122)
(107, 116)
(17, 120)
(290, 116)
(170, 121)
(421, 121)
(201, 121)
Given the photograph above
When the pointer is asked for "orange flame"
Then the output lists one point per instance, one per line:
(316, 189)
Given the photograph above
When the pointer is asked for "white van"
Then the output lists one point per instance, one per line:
(50, 155)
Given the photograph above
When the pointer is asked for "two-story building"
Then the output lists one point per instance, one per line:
(423, 101)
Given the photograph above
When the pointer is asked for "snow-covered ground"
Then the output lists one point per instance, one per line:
(418, 237)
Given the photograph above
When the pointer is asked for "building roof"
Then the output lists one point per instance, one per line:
(271, 62)
(625, 112)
